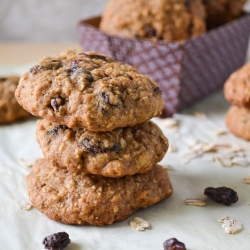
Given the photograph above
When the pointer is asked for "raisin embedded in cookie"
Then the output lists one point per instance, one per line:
(168, 20)
(10, 110)
(222, 11)
(237, 87)
(92, 199)
(238, 121)
(89, 90)
(123, 151)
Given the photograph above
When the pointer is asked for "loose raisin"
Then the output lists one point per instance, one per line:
(57, 241)
(173, 244)
(224, 195)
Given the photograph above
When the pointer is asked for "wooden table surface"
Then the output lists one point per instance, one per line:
(21, 53)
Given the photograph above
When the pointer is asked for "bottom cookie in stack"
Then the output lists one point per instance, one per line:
(238, 121)
(92, 199)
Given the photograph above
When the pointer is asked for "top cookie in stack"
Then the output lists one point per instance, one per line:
(89, 90)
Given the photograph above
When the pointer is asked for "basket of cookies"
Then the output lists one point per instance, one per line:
(188, 47)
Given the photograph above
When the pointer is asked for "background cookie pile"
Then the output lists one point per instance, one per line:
(237, 92)
(101, 152)
(167, 20)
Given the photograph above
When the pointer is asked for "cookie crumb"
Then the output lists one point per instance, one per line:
(246, 180)
(195, 202)
(26, 206)
(222, 219)
(220, 131)
(198, 115)
(26, 163)
(232, 226)
(139, 224)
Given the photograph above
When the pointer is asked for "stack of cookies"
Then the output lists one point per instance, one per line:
(101, 150)
(237, 91)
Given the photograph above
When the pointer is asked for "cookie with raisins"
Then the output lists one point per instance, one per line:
(10, 110)
(123, 151)
(167, 20)
(92, 199)
(89, 90)
(237, 87)
(238, 121)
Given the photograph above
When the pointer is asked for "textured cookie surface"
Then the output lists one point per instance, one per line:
(168, 20)
(92, 199)
(237, 87)
(222, 11)
(89, 90)
(10, 110)
(238, 121)
(123, 151)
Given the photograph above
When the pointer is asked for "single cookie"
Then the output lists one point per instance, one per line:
(168, 20)
(10, 110)
(222, 11)
(89, 90)
(92, 199)
(237, 87)
(123, 151)
(238, 121)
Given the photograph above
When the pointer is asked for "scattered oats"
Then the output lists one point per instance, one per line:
(220, 131)
(26, 206)
(170, 123)
(191, 141)
(195, 202)
(26, 163)
(221, 220)
(224, 161)
(139, 224)
(246, 180)
(172, 149)
(240, 161)
(199, 115)
(169, 167)
(232, 226)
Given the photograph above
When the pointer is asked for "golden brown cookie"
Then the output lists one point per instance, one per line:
(89, 90)
(10, 110)
(168, 20)
(238, 121)
(237, 87)
(92, 199)
(222, 11)
(123, 151)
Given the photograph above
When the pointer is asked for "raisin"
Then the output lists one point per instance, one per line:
(157, 90)
(188, 3)
(150, 31)
(173, 244)
(100, 57)
(56, 103)
(3, 79)
(34, 69)
(224, 195)
(99, 148)
(105, 97)
(57, 241)
(55, 130)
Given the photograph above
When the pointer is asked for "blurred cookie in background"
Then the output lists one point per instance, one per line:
(222, 11)
(10, 110)
(167, 20)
